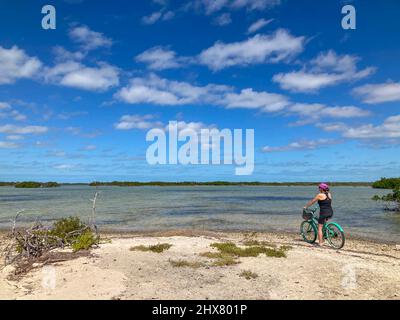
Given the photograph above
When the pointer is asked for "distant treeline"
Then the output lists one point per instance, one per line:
(30, 184)
(34, 184)
(387, 183)
(219, 183)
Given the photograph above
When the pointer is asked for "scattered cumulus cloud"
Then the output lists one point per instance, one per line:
(8, 145)
(302, 145)
(15, 64)
(76, 75)
(389, 129)
(223, 20)
(213, 6)
(13, 129)
(328, 69)
(158, 16)
(158, 91)
(160, 58)
(249, 99)
(379, 93)
(89, 39)
(257, 25)
(141, 122)
(259, 49)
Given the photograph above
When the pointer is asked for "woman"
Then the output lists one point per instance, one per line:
(324, 199)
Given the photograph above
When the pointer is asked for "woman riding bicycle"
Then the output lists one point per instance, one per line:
(324, 199)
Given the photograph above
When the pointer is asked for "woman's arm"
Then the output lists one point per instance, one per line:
(310, 203)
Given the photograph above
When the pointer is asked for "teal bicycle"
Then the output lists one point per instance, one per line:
(332, 231)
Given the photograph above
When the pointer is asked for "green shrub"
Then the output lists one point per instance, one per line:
(85, 241)
(387, 183)
(158, 248)
(254, 251)
(185, 264)
(248, 275)
(68, 229)
(391, 197)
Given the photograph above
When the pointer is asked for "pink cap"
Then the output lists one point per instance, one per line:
(324, 186)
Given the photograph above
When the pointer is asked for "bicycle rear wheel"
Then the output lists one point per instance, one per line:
(308, 232)
(335, 236)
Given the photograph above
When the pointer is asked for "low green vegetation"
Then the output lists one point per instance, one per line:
(220, 259)
(387, 183)
(185, 264)
(390, 198)
(6, 184)
(248, 275)
(249, 243)
(85, 241)
(158, 248)
(73, 232)
(229, 253)
(66, 232)
(33, 184)
(252, 251)
(218, 183)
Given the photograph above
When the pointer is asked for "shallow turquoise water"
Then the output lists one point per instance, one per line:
(205, 207)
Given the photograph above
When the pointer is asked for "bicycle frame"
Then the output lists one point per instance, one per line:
(314, 221)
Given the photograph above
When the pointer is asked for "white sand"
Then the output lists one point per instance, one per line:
(362, 270)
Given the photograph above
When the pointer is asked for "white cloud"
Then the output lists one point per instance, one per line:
(159, 58)
(90, 147)
(154, 90)
(78, 132)
(389, 129)
(152, 18)
(249, 99)
(88, 39)
(13, 129)
(14, 137)
(302, 145)
(129, 122)
(64, 166)
(8, 145)
(16, 64)
(194, 126)
(223, 19)
(213, 6)
(12, 114)
(158, 91)
(158, 16)
(316, 110)
(327, 69)
(257, 25)
(76, 75)
(259, 49)
(379, 93)
(5, 106)
(61, 54)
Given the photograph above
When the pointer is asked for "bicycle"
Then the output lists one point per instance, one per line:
(332, 231)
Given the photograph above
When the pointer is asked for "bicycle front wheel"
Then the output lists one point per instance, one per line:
(335, 236)
(308, 232)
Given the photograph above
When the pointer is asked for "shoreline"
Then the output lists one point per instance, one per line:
(121, 233)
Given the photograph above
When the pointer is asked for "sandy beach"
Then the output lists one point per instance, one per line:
(362, 270)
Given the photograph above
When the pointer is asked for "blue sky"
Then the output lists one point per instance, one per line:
(76, 102)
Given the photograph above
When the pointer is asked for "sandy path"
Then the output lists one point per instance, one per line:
(362, 270)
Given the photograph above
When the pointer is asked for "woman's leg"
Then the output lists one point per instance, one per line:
(320, 235)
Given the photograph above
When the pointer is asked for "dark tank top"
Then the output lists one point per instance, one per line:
(325, 206)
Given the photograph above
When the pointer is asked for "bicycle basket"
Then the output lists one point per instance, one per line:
(308, 214)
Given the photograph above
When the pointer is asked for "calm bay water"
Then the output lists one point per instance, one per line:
(205, 207)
